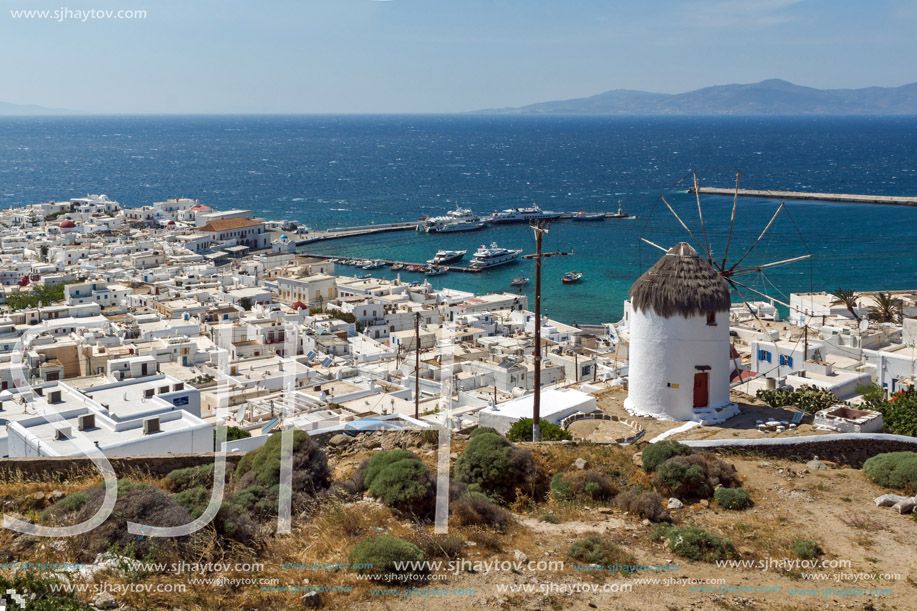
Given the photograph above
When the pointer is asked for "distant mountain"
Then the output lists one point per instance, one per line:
(771, 97)
(8, 109)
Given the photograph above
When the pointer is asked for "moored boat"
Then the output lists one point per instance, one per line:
(447, 256)
(435, 271)
(491, 257)
(519, 281)
(585, 216)
(571, 277)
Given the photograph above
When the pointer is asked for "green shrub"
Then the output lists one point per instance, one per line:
(893, 470)
(380, 461)
(258, 475)
(806, 549)
(497, 466)
(590, 485)
(646, 505)
(191, 477)
(310, 466)
(405, 485)
(74, 502)
(522, 431)
(438, 546)
(561, 490)
(657, 453)
(682, 479)
(482, 430)
(595, 549)
(475, 509)
(732, 498)
(376, 557)
(697, 544)
(136, 502)
(550, 518)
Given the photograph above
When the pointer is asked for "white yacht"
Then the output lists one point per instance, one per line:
(444, 257)
(460, 219)
(523, 215)
(491, 257)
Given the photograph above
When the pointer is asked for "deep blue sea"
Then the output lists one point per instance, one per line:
(329, 171)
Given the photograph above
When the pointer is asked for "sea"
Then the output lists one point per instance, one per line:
(334, 171)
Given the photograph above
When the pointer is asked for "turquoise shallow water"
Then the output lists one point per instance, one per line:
(334, 171)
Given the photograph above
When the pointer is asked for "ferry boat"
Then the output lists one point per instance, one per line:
(519, 281)
(444, 257)
(460, 219)
(523, 215)
(491, 257)
(571, 277)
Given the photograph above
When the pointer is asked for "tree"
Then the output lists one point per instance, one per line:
(846, 298)
(246, 303)
(887, 309)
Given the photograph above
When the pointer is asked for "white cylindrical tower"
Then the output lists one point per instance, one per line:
(679, 340)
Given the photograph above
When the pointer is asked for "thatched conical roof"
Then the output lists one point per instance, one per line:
(681, 283)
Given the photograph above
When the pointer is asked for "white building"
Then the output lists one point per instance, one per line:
(679, 340)
(555, 406)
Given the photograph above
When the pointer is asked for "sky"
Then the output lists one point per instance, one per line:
(435, 56)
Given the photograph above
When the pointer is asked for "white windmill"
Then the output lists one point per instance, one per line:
(679, 356)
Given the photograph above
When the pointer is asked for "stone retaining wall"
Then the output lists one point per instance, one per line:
(62, 468)
(845, 448)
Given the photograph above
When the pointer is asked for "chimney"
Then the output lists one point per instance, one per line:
(150, 426)
(86, 422)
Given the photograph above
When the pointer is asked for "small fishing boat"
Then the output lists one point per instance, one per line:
(571, 277)
(397, 266)
(519, 281)
(586, 216)
(412, 268)
(436, 270)
(373, 265)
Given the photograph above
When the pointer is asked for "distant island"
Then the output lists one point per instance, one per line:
(770, 97)
(8, 109)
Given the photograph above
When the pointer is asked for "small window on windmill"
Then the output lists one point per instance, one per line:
(711, 319)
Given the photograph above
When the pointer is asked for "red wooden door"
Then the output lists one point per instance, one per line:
(701, 395)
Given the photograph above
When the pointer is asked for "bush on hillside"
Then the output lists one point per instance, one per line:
(644, 505)
(601, 551)
(136, 502)
(806, 549)
(522, 431)
(697, 544)
(405, 485)
(498, 467)
(483, 430)
(258, 475)
(682, 479)
(589, 485)
(893, 470)
(657, 453)
(376, 557)
(476, 510)
(380, 461)
(732, 498)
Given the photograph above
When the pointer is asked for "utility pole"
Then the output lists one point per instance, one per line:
(417, 364)
(540, 228)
